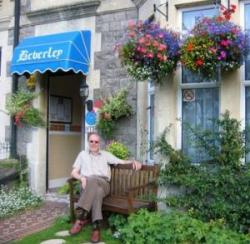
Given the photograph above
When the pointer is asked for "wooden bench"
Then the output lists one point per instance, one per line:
(130, 190)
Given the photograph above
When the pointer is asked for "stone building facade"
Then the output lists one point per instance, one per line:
(107, 21)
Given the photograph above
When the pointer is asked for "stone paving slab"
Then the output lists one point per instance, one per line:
(31, 221)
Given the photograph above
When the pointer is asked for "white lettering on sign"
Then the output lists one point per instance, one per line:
(51, 53)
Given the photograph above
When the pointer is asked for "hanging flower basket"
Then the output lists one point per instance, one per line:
(215, 42)
(114, 108)
(19, 105)
(149, 52)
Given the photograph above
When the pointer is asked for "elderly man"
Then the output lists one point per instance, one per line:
(92, 169)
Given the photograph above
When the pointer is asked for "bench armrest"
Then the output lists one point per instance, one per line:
(71, 180)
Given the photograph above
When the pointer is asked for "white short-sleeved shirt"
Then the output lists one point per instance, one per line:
(91, 164)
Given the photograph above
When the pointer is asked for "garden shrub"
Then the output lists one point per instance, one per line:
(16, 199)
(153, 227)
(217, 190)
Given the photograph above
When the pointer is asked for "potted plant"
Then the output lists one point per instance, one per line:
(19, 105)
(215, 42)
(148, 51)
(114, 108)
(118, 149)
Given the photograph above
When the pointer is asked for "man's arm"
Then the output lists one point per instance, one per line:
(114, 160)
(136, 164)
(76, 174)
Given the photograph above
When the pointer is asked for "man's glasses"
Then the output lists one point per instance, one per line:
(96, 142)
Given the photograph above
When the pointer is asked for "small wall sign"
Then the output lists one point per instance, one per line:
(188, 95)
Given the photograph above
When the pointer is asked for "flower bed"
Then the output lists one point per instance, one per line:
(149, 52)
(215, 42)
(14, 200)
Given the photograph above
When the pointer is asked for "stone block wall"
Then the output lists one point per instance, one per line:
(113, 77)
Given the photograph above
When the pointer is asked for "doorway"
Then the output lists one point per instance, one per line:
(64, 133)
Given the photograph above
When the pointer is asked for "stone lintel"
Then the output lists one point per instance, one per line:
(65, 12)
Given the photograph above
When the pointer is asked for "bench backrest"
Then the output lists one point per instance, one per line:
(124, 177)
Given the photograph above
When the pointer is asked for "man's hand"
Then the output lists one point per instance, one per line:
(136, 165)
(83, 181)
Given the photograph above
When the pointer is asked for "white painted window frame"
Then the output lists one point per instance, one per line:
(182, 86)
(150, 91)
(244, 83)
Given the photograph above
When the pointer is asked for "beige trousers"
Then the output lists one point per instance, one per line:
(92, 196)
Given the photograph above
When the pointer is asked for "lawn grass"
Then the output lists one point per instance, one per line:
(61, 225)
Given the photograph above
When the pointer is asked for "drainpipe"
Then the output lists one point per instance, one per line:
(13, 150)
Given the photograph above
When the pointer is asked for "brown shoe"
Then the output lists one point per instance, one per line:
(78, 225)
(95, 236)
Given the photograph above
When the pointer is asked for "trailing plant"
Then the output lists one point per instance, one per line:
(114, 108)
(215, 43)
(19, 105)
(153, 227)
(118, 149)
(214, 190)
(148, 51)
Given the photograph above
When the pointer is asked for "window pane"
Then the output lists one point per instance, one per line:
(198, 113)
(248, 121)
(190, 77)
(189, 18)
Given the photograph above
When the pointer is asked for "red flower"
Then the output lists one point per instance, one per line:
(199, 62)
(190, 47)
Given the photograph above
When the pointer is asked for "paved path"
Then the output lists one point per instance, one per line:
(31, 221)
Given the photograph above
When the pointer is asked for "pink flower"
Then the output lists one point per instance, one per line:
(132, 34)
(148, 36)
(159, 56)
(142, 40)
(156, 43)
(162, 47)
(150, 55)
(131, 24)
(160, 35)
(212, 49)
(223, 54)
(224, 43)
(164, 58)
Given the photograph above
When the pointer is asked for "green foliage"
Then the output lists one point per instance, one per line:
(19, 105)
(217, 190)
(106, 127)
(117, 105)
(146, 228)
(8, 163)
(114, 108)
(118, 149)
(225, 147)
(65, 188)
(23, 170)
(117, 221)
